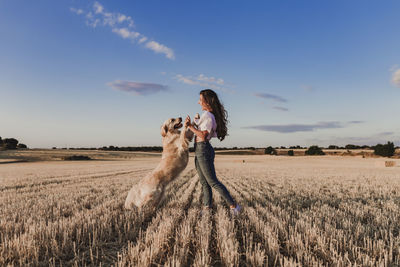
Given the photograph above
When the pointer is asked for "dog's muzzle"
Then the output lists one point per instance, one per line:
(179, 125)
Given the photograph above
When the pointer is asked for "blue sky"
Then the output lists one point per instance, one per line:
(94, 73)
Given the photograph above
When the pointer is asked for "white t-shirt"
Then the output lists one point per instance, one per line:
(207, 123)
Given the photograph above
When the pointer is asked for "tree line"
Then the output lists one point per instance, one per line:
(385, 150)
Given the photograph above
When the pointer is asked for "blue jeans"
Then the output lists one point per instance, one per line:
(204, 161)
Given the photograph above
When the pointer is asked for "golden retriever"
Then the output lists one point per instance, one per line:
(175, 157)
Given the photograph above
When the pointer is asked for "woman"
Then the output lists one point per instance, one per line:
(212, 123)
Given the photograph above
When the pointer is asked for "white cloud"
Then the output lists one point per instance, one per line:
(396, 78)
(143, 39)
(121, 18)
(159, 48)
(121, 25)
(77, 11)
(202, 77)
(125, 33)
(98, 8)
(91, 20)
(187, 80)
(203, 81)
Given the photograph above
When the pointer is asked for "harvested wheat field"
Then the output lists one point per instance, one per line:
(297, 211)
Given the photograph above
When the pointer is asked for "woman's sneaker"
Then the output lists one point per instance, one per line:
(236, 210)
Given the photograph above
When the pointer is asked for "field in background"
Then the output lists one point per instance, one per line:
(297, 211)
(29, 155)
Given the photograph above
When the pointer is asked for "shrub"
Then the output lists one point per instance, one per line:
(290, 153)
(386, 150)
(21, 146)
(314, 150)
(270, 151)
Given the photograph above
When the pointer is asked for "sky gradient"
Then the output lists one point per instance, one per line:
(99, 73)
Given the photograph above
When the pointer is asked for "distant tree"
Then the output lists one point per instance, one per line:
(290, 153)
(54, 147)
(386, 150)
(283, 147)
(351, 146)
(10, 143)
(1, 141)
(21, 146)
(270, 151)
(314, 150)
(333, 147)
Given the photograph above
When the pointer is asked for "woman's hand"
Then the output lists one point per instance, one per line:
(187, 122)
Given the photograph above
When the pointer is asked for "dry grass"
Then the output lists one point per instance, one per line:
(297, 211)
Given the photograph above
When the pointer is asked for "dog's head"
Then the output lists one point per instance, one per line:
(171, 126)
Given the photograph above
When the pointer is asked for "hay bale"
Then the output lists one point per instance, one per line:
(77, 157)
(380, 163)
(390, 163)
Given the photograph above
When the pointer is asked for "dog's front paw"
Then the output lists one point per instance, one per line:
(189, 135)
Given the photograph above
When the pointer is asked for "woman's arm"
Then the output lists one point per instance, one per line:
(201, 135)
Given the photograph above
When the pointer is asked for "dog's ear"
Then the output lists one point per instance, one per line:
(164, 130)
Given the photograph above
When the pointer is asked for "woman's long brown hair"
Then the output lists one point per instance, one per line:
(220, 114)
